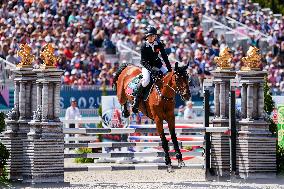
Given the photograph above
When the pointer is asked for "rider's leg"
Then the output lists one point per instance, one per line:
(146, 77)
(144, 82)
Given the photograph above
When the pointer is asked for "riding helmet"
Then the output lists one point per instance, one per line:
(151, 30)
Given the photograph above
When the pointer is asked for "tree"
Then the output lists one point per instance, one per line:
(268, 108)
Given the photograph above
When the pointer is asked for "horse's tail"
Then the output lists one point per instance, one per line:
(118, 72)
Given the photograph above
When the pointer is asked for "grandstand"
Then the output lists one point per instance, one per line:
(91, 38)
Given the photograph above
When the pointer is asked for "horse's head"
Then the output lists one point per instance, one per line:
(181, 82)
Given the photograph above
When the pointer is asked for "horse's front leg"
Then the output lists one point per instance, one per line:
(171, 125)
(160, 129)
(125, 112)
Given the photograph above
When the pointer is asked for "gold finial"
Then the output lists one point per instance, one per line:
(224, 60)
(48, 57)
(25, 53)
(253, 59)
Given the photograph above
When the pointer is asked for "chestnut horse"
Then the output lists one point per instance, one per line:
(160, 104)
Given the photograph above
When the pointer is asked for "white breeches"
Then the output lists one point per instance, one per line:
(146, 75)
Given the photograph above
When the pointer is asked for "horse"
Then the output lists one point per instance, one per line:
(160, 103)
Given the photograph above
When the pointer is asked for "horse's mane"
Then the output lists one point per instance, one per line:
(118, 72)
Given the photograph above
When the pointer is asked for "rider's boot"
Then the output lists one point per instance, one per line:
(139, 94)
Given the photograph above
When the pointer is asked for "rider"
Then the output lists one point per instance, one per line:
(151, 62)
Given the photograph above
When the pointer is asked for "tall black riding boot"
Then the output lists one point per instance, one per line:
(139, 94)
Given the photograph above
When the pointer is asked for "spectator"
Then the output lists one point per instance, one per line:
(180, 112)
(11, 57)
(72, 112)
(92, 28)
(189, 113)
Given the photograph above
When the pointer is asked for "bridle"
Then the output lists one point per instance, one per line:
(178, 89)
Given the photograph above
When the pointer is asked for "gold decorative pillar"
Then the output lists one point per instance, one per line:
(256, 147)
(220, 157)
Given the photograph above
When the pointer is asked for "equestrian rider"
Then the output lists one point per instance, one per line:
(151, 62)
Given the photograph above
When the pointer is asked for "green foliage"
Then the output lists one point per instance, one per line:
(4, 153)
(100, 112)
(2, 122)
(268, 107)
(277, 6)
(84, 151)
(100, 124)
(4, 156)
(272, 127)
(188, 147)
(280, 159)
(268, 101)
(104, 90)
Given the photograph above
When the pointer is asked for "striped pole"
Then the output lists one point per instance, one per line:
(130, 144)
(127, 154)
(180, 138)
(130, 167)
(140, 130)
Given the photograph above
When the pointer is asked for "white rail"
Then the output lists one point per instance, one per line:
(225, 27)
(245, 26)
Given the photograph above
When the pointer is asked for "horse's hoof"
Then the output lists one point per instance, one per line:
(181, 163)
(170, 169)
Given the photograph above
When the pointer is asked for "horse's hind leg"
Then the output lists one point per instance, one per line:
(171, 125)
(159, 125)
(125, 112)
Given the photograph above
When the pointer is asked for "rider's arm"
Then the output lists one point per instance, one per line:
(144, 60)
(165, 56)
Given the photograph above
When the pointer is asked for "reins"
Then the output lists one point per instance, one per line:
(172, 99)
(176, 91)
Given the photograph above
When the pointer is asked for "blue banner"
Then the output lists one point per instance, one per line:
(86, 99)
(91, 98)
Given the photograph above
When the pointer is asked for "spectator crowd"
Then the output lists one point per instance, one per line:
(85, 31)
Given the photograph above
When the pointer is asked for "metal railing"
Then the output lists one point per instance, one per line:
(236, 23)
(223, 26)
(5, 70)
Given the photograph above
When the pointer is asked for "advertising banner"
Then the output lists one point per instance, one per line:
(280, 125)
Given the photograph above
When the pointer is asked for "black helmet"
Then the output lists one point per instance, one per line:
(151, 30)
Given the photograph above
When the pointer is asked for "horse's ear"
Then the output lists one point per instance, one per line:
(186, 66)
(176, 65)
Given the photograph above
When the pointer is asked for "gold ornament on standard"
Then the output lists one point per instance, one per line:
(224, 60)
(48, 57)
(253, 59)
(25, 53)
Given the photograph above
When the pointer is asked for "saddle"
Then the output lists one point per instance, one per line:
(132, 87)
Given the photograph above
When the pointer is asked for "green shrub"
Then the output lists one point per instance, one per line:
(4, 153)
(84, 151)
(4, 156)
(277, 6)
(2, 122)
(280, 160)
(268, 108)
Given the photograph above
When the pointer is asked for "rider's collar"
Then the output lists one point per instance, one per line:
(151, 44)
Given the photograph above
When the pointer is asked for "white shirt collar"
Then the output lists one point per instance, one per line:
(151, 45)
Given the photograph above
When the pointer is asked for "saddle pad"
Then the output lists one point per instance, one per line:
(132, 87)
